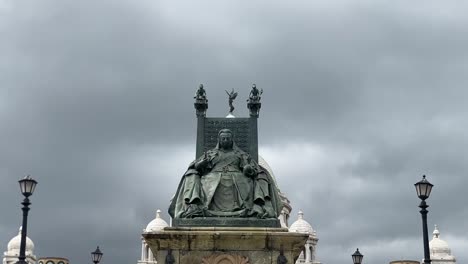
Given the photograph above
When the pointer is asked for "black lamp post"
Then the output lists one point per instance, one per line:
(423, 189)
(96, 255)
(357, 257)
(27, 186)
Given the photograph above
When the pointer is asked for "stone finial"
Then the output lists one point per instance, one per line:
(436, 232)
(300, 215)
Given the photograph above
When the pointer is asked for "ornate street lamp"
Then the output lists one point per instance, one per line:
(27, 186)
(357, 257)
(423, 189)
(96, 256)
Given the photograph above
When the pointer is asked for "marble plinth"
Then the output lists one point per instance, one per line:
(225, 245)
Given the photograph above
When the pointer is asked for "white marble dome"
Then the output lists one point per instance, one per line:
(15, 243)
(440, 250)
(301, 225)
(156, 224)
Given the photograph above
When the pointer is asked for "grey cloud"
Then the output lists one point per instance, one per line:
(96, 103)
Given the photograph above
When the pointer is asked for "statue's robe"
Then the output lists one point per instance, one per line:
(222, 188)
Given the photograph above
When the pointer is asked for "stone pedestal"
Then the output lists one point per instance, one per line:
(225, 245)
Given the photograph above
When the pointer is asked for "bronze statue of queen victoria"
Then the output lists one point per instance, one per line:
(225, 182)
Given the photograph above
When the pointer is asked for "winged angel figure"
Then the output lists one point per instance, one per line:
(232, 95)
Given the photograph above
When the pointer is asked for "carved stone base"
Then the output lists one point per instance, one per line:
(225, 221)
(225, 245)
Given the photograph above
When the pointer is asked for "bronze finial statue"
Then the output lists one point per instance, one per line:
(255, 94)
(232, 95)
(201, 93)
(253, 103)
(201, 103)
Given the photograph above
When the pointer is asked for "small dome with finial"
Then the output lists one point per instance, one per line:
(15, 243)
(301, 225)
(440, 250)
(157, 224)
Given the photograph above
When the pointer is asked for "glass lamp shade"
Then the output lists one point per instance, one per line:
(27, 185)
(96, 255)
(357, 257)
(423, 188)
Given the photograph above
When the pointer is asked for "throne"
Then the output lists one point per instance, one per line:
(244, 130)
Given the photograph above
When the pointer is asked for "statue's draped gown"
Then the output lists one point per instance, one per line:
(222, 189)
(226, 186)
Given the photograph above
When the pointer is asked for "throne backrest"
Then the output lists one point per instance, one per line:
(244, 130)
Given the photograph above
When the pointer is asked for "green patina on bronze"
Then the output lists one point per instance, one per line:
(226, 182)
(225, 186)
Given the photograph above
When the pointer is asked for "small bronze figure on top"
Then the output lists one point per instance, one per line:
(255, 95)
(232, 95)
(253, 103)
(201, 103)
(200, 94)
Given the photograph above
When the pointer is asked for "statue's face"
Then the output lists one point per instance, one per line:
(225, 140)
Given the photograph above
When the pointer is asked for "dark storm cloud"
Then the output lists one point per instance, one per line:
(96, 103)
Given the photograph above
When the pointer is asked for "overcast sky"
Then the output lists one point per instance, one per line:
(361, 98)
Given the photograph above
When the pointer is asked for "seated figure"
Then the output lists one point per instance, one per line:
(201, 93)
(225, 182)
(255, 95)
